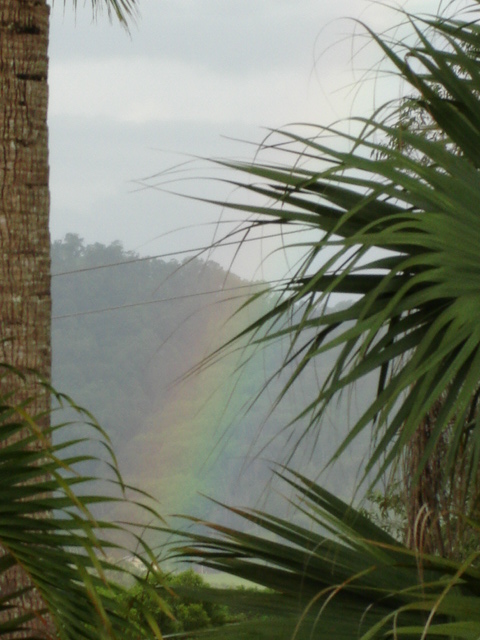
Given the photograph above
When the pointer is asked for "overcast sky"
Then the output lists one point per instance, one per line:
(191, 78)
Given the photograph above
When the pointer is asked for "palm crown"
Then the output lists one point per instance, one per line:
(395, 210)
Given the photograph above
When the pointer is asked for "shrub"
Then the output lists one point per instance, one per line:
(182, 612)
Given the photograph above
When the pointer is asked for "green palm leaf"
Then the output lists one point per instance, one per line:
(335, 575)
(48, 532)
(399, 231)
(392, 218)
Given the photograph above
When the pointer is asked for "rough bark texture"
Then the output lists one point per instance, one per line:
(24, 196)
(24, 211)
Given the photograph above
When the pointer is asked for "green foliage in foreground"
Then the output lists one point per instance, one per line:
(398, 231)
(337, 575)
(397, 225)
(49, 534)
(182, 593)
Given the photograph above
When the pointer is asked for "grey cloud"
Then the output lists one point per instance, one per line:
(226, 35)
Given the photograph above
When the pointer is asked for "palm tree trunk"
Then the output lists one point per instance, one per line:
(24, 213)
(24, 200)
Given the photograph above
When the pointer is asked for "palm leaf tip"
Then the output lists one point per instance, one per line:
(125, 11)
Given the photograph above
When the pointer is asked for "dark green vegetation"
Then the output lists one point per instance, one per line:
(49, 535)
(392, 210)
(339, 575)
(180, 593)
(177, 438)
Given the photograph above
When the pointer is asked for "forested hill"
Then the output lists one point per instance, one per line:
(123, 337)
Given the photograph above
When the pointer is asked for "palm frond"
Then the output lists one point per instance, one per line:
(335, 575)
(393, 220)
(398, 231)
(56, 555)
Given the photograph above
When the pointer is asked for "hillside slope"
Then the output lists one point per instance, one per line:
(124, 337)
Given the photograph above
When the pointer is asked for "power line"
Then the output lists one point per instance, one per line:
(157, 301)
